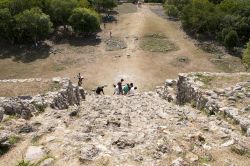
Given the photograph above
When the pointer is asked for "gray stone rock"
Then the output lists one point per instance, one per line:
(8, 110)
(26, 114)
(178, 162)
(35, 153)
(1, 113)
(26, 128)
(123, 142)
(228, 143)
(246, 109)
(4, 136)
(170, 82)
(248, 132)
(232, 98)
(88, 153)
(191, 157)
(56, 79)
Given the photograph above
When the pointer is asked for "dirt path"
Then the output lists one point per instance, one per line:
(145, 69)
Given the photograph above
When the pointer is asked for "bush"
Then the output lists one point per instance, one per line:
(60, 10)
(6, 24)
(25, 163)
(246, 56)
(172, 11)
(231, 39)
(104, 4)
(84, 20)
(32, 25)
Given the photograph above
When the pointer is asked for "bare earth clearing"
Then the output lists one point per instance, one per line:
(146, 69)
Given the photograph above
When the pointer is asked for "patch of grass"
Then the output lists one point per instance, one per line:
(14, 139)
(211, 48)
(68, 62)
(25, 163)
(1, 127)
(204, 79)
(46, 157)
(205, 159)
(39, 107)
(55, 86)
(156, 35)
(193, 104)
(58, 68)
(35, 139)
(157, 43)
(10, 117)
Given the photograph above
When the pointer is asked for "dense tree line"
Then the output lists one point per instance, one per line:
(227, 21)
(33, 20)
(246, 56)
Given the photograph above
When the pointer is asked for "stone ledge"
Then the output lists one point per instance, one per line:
(222, 101)
(26, 106)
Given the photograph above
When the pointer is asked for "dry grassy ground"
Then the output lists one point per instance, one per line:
(146, 69)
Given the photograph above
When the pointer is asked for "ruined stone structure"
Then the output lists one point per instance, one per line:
(166, 127)
(232, 102)
(25, 106)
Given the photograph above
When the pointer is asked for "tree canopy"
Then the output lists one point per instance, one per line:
(32, 20)
(32, 24)
(246, 56)
(84, 20)
(217, 19)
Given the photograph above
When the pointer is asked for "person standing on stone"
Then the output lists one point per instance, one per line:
(80, 78)
(126, 89)
(120, 90)
(110, 34)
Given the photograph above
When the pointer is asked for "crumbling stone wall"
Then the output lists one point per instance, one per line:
(26, 106)
(216, 101)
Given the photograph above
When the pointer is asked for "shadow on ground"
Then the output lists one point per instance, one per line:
(28, 54)
(74, 40)
(25, 54)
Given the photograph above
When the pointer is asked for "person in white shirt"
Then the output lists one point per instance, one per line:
(133, 90)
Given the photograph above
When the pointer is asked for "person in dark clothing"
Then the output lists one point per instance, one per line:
(100, 90)
(119, 84)
(131, 85)
(80, 78)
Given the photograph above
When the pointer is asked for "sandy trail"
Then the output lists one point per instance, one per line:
(145, 69)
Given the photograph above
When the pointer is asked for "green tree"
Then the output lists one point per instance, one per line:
(231, 40)
(18, 6)
(178, 3)
(4, 3)
(246, 56)
(32, 25)
(60, 10)
(104, 4)
(83, 3)
(84, 20)
(201, 16)
(6, 24)
(172, 11)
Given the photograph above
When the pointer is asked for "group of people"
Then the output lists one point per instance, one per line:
(119, 88)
